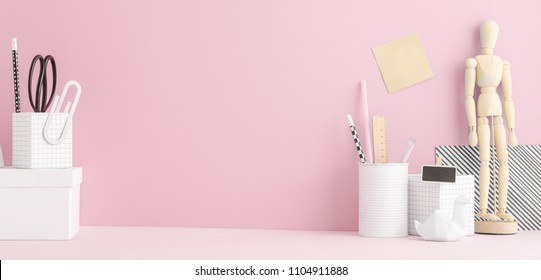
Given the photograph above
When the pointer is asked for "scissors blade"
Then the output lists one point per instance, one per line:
(46, 102)
(37, 58)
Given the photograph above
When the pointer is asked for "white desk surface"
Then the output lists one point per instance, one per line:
(215, 243)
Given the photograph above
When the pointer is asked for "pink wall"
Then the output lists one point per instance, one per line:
(232, 113)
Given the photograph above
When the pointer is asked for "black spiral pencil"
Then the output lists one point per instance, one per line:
(356, 139)
(15, 57)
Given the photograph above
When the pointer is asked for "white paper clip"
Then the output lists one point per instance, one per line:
(56, 108)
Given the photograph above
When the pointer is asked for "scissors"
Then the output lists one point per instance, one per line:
(41, 101)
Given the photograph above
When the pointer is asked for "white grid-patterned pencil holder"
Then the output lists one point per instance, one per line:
(30, 150)
(383, 200)
(425, 197)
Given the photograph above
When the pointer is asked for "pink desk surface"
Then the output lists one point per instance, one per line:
(216, 243)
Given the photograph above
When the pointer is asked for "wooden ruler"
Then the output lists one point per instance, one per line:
(379, 131)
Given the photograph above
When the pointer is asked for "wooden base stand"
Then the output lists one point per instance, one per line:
(496, 227)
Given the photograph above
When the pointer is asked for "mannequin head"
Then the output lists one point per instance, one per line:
(489, 35)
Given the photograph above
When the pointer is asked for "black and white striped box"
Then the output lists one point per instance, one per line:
(524, 193)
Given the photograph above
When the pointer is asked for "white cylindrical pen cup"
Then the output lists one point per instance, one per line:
(383, 199)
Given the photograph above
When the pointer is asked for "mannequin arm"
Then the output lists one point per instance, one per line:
(469, 82)
(508, 104)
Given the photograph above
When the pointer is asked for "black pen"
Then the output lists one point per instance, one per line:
(15, 57)
(356, 139)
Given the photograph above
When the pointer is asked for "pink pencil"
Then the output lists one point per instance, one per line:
(366, 123)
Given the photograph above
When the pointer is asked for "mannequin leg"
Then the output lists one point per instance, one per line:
(503, 175)
(483, 132)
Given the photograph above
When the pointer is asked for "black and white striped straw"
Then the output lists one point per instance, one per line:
(356, 139)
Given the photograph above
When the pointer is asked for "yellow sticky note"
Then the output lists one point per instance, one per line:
(402, 62)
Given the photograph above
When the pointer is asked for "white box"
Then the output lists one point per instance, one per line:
(30, 150)
(39, 204)
(425, 197)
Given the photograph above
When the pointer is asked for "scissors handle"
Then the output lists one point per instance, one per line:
(41, 102)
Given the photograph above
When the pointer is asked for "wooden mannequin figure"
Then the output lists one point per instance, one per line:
(488, 70)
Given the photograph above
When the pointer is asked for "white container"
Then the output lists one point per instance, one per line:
(39, 204)
(383, 200)
(425, 197)
(30, 150)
